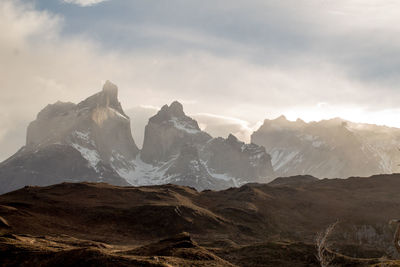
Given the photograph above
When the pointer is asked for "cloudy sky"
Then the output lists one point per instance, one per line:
(239, 61)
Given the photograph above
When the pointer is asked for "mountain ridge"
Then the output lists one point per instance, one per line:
(244, 216)
(93, 141)
(333, 148)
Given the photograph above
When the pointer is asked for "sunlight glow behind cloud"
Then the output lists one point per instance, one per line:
(84, 2)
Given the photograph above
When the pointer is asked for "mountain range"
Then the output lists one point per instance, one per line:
(333, 148)
(92, 141)
(81, 191)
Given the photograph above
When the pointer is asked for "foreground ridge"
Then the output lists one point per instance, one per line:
(223, 222)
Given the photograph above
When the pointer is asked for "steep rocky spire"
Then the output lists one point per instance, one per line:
(110, 93)
(176, 109)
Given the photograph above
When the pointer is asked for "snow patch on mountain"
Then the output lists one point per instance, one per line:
(221, 176)
(85, 137)
(184, 126)
(91, 155)
(118, 114)
(281, 157)
(139, 173)
(317, 143)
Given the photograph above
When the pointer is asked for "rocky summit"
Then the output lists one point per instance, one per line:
(167, 131)
(92, 141)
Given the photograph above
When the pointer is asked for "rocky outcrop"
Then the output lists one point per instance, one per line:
(97, 124)
(247, 162)
(189, 170)
(168, 131)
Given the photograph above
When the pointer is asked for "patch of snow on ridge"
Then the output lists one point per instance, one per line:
(225, 177)
(118, 114)
(90, 155)
(184, 126)
(141, 173)
(84, 136)
(281, 157)
(317, 143)
(221, 176)
(195, 164)
(309, 137)
(257, 156)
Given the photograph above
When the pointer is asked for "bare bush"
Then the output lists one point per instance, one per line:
(324, 257)
(396, 238)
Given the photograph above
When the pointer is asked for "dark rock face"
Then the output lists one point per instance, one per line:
(188, 170)
(52, 164)
(168, 131)
(239, 159)
(328, 149)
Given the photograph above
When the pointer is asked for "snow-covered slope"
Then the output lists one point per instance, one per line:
(332, 148)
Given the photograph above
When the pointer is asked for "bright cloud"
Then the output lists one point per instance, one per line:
(84, 2)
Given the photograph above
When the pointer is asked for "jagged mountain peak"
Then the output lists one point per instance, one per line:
(237, 159)
(281, 118)
(173, 111)
(176, 109)
(300, 121)
(168, 131)
(173, 116)
(281, 123)
(92, 138)
(197, 159)
(110, 89)
(110, 95)
(107, 98)
(232, 138)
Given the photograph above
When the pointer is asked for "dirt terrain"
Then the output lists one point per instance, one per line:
(273, 224)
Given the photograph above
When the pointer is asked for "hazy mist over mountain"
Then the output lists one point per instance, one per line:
(204, 133)
(246, 60)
